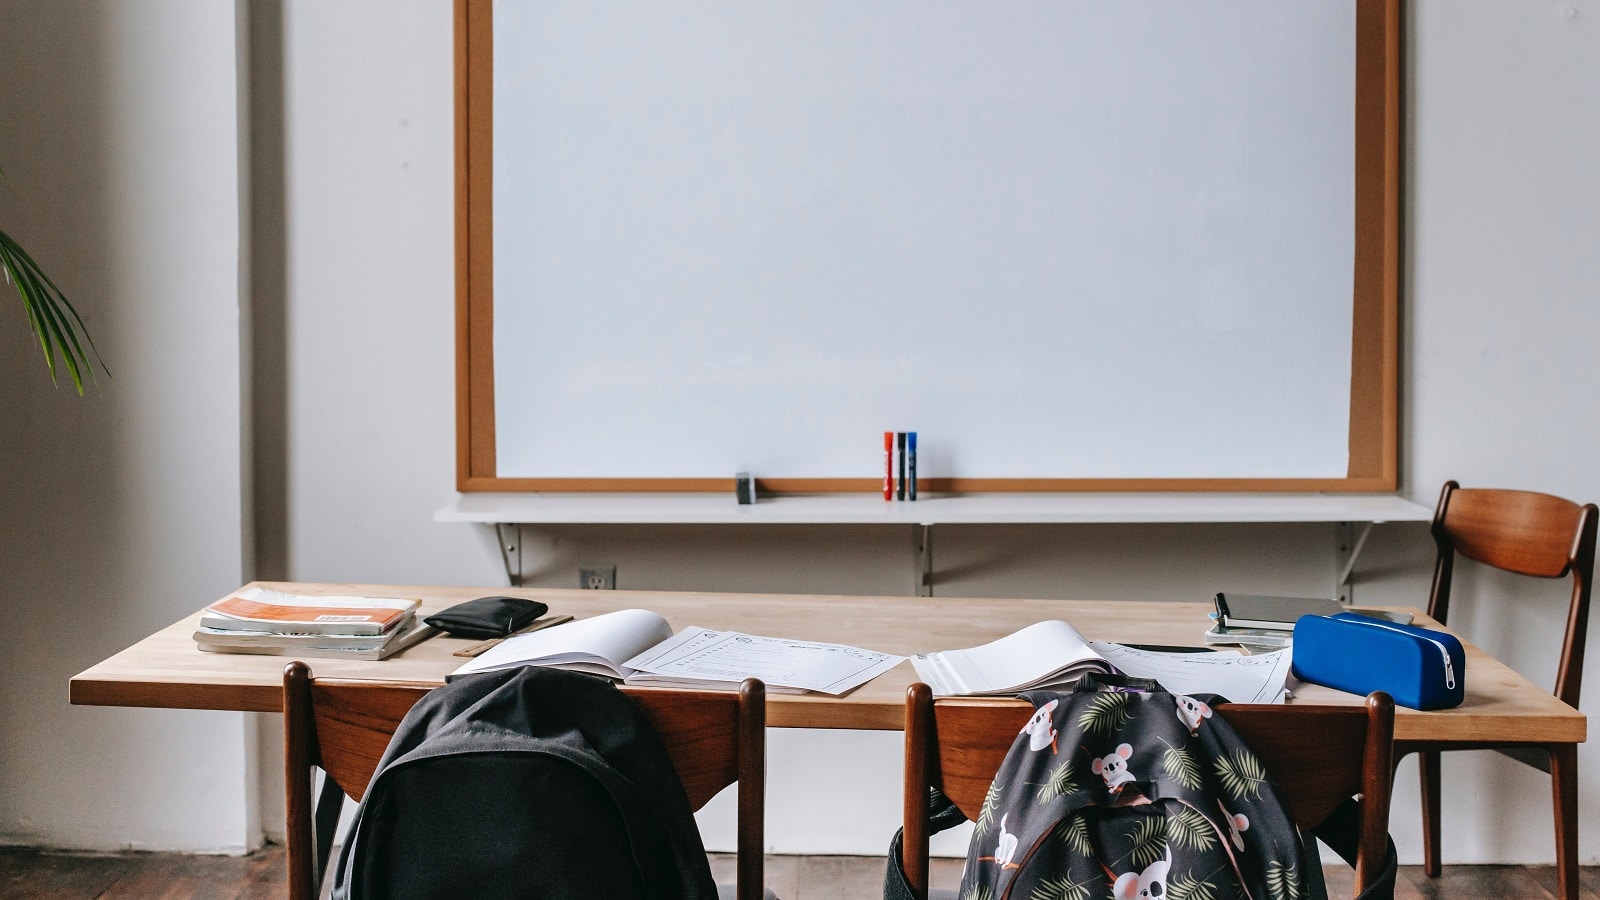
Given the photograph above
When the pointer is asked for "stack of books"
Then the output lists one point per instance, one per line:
(1260, 622)
(276, 623)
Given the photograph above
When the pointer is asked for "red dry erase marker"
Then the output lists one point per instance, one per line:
(888, 465)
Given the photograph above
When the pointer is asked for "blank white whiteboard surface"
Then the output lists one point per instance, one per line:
(1057, 239)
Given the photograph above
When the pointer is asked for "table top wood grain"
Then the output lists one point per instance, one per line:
(166, 670)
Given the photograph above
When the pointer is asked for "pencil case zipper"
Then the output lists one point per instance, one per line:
(1449, 667)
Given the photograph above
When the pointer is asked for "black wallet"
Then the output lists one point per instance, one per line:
(487, 617)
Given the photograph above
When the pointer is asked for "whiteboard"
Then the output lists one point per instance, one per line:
(1057, 239)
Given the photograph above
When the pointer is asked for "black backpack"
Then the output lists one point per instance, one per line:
(525, 783)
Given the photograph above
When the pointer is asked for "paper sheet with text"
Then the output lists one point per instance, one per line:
(1258, 678)
(696, 654)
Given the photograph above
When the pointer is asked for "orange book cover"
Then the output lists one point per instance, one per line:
(263, 610)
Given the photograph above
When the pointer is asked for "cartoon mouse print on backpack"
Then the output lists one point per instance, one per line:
(1041, 731)
(1236, 825)
(1006, 850)
(1113, 767)
(1191, 712)
(1186, 811)
(1151, 883)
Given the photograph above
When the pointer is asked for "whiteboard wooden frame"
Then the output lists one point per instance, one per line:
(1375, 329)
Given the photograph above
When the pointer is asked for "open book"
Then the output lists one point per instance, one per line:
(638, 646)
(1053, 655)
(1044, 655)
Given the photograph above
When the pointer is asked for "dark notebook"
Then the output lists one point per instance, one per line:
(1275, 613)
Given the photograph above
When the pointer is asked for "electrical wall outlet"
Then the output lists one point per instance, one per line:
(597, 578)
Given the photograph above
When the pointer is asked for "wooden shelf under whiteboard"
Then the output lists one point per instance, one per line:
(509, 512)
(933, 509)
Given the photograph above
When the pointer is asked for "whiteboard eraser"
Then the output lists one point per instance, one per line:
(744, 487)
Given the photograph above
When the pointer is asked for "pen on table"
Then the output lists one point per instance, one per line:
(900, 492)
(479, 648)
(911, 453)
(888, 465)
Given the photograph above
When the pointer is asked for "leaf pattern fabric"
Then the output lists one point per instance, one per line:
(1135, 795)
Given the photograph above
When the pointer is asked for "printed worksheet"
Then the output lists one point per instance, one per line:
(1258, 678)
(699, 657)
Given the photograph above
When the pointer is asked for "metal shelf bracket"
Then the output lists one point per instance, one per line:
(922, 548)
(510, 536)
(1347, 543)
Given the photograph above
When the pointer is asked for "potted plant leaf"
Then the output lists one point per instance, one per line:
(55, 323)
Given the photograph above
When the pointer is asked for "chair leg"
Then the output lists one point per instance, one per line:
(1564, 784)
(919, 748)
(750, 880)
(1428, 769)
(299, 755)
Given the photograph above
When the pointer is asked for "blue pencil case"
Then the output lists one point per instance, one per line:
(1418, 667)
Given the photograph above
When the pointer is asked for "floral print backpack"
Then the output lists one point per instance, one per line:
(1121, 791)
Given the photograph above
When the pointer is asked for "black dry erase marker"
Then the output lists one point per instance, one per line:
(900, 441)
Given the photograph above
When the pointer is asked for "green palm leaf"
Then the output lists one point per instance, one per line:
(1063, 888)
(1073, 831)
(1284, 882)
(991, 801)
(1106, 713)
(1241, 774)
(1188, 828)
(979, 892)
(1187, 887)
(1149, 841)
(1181, 767)
(1063, 780)
(52, 318)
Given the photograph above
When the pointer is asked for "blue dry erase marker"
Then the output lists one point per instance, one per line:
(911, 463)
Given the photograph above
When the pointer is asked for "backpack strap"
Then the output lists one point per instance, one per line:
(1340, 832)
(943, 815)
(330, 803)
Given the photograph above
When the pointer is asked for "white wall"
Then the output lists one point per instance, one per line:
(1503, 209)
(1502, 218)
(119, 510)
(1499, 315)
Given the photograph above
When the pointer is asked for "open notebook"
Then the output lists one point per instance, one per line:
(638, 646)
(1053, 655)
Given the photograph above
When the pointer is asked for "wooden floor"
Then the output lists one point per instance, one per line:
(29, 874)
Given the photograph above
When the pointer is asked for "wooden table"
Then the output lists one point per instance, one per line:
(166, 670)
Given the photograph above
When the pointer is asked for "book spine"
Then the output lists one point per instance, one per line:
(225, 622)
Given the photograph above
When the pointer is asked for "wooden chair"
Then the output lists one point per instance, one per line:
(342, 727)
(1318, 756)
(1529, 534)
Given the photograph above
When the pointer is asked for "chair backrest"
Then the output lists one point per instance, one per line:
(1527, 533)
(714, 739)
(1318, 756)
